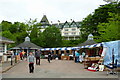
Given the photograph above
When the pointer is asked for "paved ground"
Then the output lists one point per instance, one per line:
(55, 69)
(7, 65)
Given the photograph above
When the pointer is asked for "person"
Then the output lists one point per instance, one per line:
(83, 54)
(25, 56)
(49, 56)
(31, 62)
(37, 55)
(81, 58)
(21, 56)
(76, 56)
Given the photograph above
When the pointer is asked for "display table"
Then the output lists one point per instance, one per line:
(93, 58)
(89, 60)
(65, 57)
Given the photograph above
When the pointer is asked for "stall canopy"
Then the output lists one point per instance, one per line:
(92, 46)
(112, 48)
(72, 48)
(63, 48)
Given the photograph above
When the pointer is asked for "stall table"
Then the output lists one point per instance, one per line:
(65, 57)
(89, 60)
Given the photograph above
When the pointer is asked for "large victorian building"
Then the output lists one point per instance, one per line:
(69, 30)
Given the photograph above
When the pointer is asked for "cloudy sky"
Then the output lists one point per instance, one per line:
(22, 10)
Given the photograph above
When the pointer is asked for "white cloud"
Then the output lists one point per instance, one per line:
(21, 10)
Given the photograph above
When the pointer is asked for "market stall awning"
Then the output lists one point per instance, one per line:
(64, 48)
(72, 48)
(93, 45)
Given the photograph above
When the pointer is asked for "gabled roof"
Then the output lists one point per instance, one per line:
(5, 40)
(66, 25)
(44, 20)
(58, 25)
(73, 23)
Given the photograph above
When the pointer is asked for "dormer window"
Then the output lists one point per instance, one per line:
(66, 25)
(73, 24)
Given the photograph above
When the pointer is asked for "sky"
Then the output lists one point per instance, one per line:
(62, 10)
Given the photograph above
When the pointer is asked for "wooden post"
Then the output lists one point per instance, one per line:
(59, 52)
(70, 51)
(64, 51)
(54, 51)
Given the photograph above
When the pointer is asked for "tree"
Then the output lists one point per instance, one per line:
(52, 37)
(110, 31)
(5, 25)
(100, 15)
(7, 34)
(34, 35)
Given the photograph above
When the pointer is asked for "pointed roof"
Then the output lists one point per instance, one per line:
(27, 44)
(73, 24)
(44, 20)
(66, 25)
(89, 41)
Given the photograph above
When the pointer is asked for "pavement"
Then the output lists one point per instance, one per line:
(55, 69)
(7, 65)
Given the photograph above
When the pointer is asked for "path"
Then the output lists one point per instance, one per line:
(55, 69)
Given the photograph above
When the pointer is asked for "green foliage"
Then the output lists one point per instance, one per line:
(71, 43)
(52, 37)
(101, 15)
(7, 34)
(110, 31)
(5, 25)
(103, 24)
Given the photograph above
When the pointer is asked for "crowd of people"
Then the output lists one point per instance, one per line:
(31, 56)
(79, 57)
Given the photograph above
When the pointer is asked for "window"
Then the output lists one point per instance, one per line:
(66, 33)
(73, 29)
(66, 30)
(73, 25)
(2, 48)
(73, 33)
(66, 25)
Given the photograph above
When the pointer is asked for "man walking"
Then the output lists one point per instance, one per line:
(37, 55)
